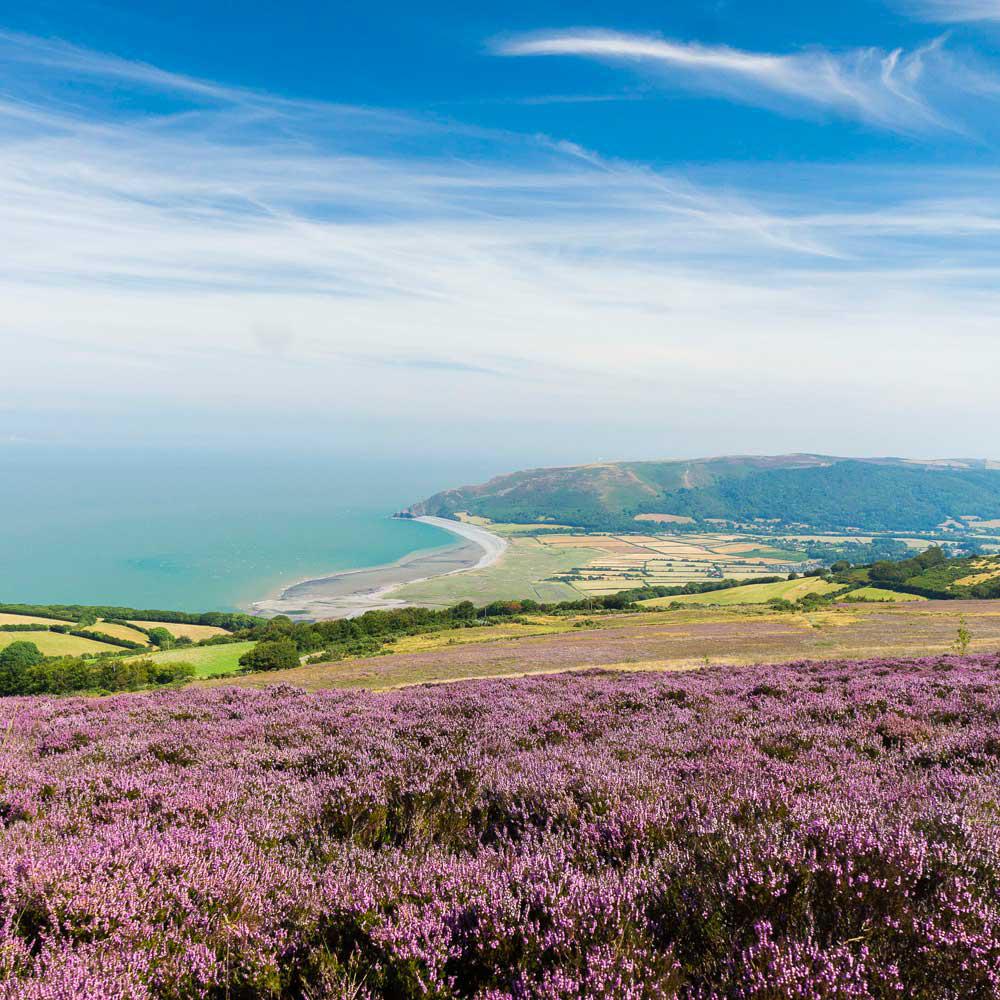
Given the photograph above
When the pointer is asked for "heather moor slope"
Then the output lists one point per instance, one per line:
(880, 494)
(800, 831)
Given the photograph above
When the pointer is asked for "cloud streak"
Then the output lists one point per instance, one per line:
(956, 11)
(352, 263)
(896, 90)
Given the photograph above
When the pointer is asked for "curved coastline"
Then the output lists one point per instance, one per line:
(353, 592)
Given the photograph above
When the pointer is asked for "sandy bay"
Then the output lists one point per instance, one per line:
(352, 592)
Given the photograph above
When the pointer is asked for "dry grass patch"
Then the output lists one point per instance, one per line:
(664, 518)
(183, 631)
(8, 619)
(118, 631)
(57, 644)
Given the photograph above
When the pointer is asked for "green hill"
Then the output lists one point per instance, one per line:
(932, 574)
(879, 494)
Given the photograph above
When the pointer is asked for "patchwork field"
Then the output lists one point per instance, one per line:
(669, 640)
(628, 561)
(558, 566)
(523, 571)
(56, 644)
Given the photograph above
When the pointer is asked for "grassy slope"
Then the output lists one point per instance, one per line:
(881, 594)
(55, 644)
(541, 625)
(206, 660)
(754, 593)
(517, 575)
(876, 496)
(671, 640)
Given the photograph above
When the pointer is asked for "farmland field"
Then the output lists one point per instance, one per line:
(753, 593)
(525, 564)
(802, 831)
(206, 660)
(120, 632)
(881, 594)
(55, 644)
(559, 566)
(9, 619)
(181, 630)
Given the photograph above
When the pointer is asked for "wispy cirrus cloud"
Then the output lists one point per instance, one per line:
(261, 255)
(896, 90)
(955, 11)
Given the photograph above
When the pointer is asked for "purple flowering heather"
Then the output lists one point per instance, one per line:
(809, 831)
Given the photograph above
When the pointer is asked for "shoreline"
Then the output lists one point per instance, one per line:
(353, 592)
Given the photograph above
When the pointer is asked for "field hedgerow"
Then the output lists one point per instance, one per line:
(801, 831)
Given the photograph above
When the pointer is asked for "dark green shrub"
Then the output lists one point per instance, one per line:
(278, 654)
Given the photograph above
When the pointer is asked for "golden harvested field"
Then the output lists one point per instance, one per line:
(56, 644)
(8, 619)
(987, 570)
(180, 631)
(628, 561)
(119, 632)
(671, 640)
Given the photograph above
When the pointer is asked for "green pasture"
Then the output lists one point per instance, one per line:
(206, 660)
(521, 572)
(753, 593)
(881, 594)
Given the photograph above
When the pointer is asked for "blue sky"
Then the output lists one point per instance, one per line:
(639, 229)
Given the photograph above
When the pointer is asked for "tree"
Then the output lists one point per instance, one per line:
(15, 662)
(159, 636)
(963, 638)
(281, 654)
(463, 611)
(21, 653)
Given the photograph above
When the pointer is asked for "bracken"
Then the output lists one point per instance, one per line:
(799, 831)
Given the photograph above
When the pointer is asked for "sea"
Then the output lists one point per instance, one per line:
(193, 530)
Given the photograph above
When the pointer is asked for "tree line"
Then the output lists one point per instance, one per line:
(24, 670)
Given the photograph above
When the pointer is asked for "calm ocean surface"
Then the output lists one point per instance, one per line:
(200, 532)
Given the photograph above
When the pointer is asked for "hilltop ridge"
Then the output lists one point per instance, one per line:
(880, 493)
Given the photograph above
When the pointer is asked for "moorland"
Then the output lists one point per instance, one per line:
(759, 773)
(798, 831)
(887, 607)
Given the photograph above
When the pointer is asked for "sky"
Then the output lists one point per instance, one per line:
(547, 232)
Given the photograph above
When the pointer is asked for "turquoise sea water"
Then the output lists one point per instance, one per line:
(199, 531)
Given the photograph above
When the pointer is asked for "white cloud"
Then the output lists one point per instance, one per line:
(353, 264)
(956, 11)
(894, 89)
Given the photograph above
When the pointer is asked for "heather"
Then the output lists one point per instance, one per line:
(800, 831)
